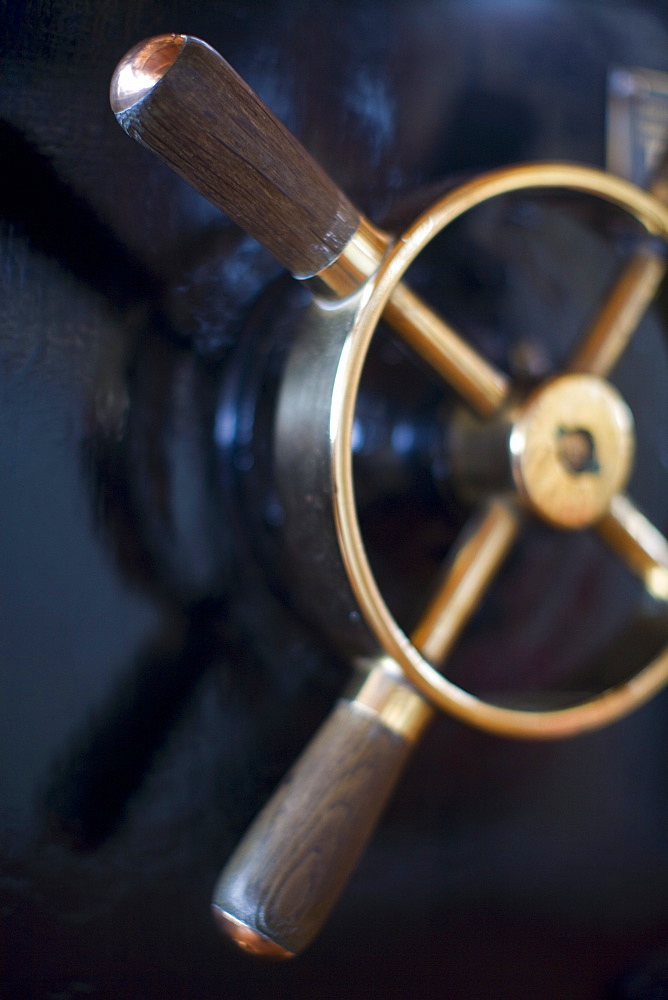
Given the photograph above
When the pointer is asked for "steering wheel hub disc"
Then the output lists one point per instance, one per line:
(572, 449)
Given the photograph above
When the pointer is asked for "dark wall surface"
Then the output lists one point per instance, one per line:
(153, 688)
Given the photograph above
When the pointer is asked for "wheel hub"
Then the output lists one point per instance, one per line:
(572, 449)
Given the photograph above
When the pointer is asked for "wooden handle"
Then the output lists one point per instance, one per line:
(177, 96)
(288, 871)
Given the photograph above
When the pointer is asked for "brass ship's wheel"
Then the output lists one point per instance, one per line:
(570, 447)
(567, 447)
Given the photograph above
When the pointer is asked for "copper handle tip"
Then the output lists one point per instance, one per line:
(141, 68)
(247, 938)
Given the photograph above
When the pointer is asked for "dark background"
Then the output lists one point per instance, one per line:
(153, 689)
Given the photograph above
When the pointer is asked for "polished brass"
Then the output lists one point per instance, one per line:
(606, 339)
(613, 327)
(385, 693)
(360, 266)
(638, 543)
(478, 557)
(570, 446)
(572, 449)
(358, 260)
(589, 714)
(479, 554)
(477, 381)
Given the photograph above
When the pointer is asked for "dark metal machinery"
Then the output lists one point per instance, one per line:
(158, 677)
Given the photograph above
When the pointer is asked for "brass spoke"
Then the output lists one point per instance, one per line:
(467, 577)
(607, 338)
(638, 543)
(632, 294)
(475, 379)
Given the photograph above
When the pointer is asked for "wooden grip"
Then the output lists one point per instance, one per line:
(288, 871)
(177, 96)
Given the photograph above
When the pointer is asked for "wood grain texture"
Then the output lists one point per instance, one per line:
(212, 129)
(289, 869)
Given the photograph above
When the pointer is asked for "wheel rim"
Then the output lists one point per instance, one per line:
(591, 713)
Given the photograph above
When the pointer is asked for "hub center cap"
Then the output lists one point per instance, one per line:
(572, 449)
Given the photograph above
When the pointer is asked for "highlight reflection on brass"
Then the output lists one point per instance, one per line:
(475, 379)
(363, 284)
(482, 549)
(385, 693)
(572, 449)
(476, 561)
(383, 287)
(638, 543)
(358, 260)
(606, 339)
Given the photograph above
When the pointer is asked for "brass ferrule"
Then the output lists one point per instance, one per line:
(358, 260)
(384, 692)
